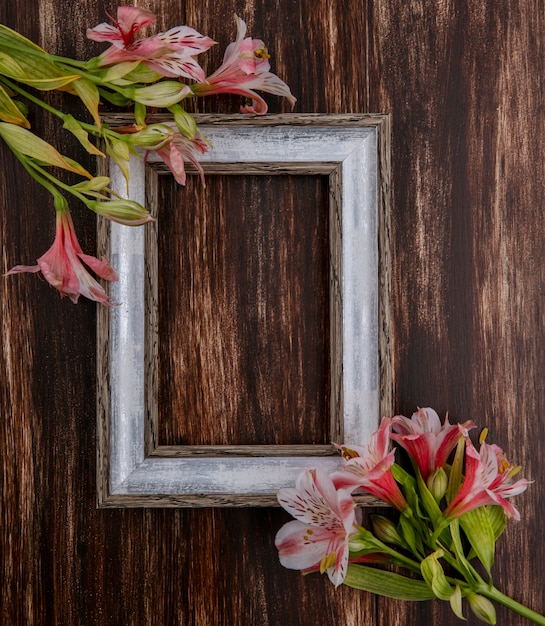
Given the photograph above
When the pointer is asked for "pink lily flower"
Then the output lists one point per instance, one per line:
(129, 21)
(178, 148)
(62, 268)
(487, 481)
(427, 442)
(325, 520)
(169, 54)
(245, 68)
(369, 468)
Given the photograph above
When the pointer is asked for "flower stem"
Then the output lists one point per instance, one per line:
(494, 594)
(30, 97)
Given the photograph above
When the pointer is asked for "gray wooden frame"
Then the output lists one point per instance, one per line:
(132, 470)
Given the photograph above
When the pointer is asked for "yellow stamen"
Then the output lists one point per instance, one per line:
(482, 436)
(514, 471)
(261, 53)
(327, 562)
(348, 454)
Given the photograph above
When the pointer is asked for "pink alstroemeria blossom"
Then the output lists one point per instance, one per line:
(62, 268)
(177, 148)
(129, 21)
(427, 441)
(325, 520)
(169, 54)
(369, 468)
(245, 68)
(487, 480)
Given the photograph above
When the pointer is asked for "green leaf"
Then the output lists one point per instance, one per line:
(409, 487)
(88, 94)
(13, 38)
(498, 519)
(143, 74)
(114, 98)
(456, 603)
(140, 114)
(388, 584)
(433, 574)
(455, 477)
(9, 111)
(119, 70)
(10, 67)
(409, 533)
(120, 154)
(27, 143)
(458, 548)
(479, 531)
(428, 501)
(72, 125)
(34, 69)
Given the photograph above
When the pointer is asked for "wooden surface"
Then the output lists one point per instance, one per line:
(464, 84)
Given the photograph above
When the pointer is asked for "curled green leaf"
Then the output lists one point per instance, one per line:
(10, 112)
(434, 575)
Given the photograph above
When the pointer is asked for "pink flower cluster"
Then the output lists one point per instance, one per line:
(245, 66)
(171, 54)
(325, 509)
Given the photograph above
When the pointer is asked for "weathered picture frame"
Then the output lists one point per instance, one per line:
(353, 151)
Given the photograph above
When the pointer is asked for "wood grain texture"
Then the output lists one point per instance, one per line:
(249, 300)
(464, 83)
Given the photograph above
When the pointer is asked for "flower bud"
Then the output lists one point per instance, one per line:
(152, 136)
(184, 121)
(482, 607)
(125, 212)
(163, 94)
(386, 530)
(364, 540)
(438, 483)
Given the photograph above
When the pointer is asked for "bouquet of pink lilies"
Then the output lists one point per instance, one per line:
(452, 505)
(155, 72)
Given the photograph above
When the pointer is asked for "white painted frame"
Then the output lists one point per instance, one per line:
(353, 150)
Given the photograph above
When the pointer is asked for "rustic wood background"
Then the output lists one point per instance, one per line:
(464, 83)
(244, 302)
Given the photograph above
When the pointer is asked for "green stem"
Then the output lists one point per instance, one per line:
(30, 97)
(45, 175)
(90, 128)
(494, 594)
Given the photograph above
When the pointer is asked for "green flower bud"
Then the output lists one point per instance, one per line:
(184, 121)
(482, 607)
(152, 136)
(386, 530)
(438, 483)
(125, 212)
(163, 94)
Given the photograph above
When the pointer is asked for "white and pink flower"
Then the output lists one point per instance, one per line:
(325, 521)
(369, 468)
(245, 68)
(170, 54)
(487, 480)
(427, 441)
(180, 148)
(62, 265)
